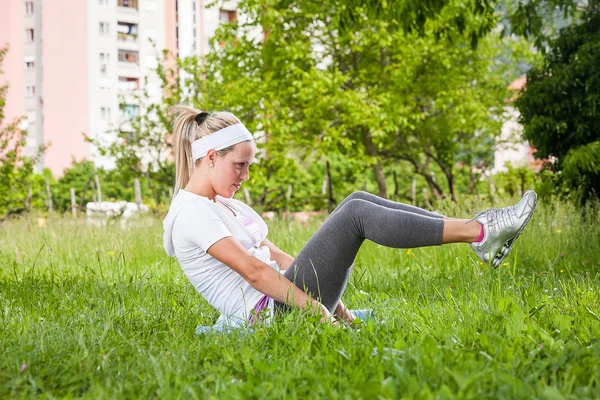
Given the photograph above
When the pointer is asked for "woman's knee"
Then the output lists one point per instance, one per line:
(354, 206)
(359, 194)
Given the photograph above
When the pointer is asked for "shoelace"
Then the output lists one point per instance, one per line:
(497, 218)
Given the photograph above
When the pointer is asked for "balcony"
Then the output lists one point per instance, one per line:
(124, 37)
(131, 4)
(128, 84)
(127, 32)
(129, 57)
(128, 10)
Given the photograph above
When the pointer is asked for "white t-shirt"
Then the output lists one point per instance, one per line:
(194, 223)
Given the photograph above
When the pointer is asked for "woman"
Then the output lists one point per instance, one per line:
(222, 245)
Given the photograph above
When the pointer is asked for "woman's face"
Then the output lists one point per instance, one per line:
(231, 169)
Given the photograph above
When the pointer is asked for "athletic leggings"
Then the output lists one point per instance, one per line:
(323, 266)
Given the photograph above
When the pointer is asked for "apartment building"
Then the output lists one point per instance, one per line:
(510, 147)
(196, 24)
(74, 66)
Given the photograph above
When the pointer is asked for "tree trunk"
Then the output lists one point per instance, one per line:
(377, 168)
(471, 180)
(49, 195)
(423, 170)
(450, 178)
(488, 175)
(447, 171)
(435, 188)
(396, 188)
(331, 201)
(263, 196)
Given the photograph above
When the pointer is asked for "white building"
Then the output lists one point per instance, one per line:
(74, 66)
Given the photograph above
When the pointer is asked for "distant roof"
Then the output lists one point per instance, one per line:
(518, 84)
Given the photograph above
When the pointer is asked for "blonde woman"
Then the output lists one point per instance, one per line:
(223, 248)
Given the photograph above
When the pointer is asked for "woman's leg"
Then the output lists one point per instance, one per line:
(323, 266)
(386, 203)
(454, 229)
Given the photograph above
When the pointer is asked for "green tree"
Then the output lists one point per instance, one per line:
(561, 106)
(142, 147)
(378, 92)
(16, 169)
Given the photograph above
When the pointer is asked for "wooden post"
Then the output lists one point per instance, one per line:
(137, 192)
(98, 188)
(414, 191)
(288, 197)
(426, 195)
(28, 206)
(492, 186)
(396, 188)
(73, 203)
(247, 195)
(49, 195)
(85, 188)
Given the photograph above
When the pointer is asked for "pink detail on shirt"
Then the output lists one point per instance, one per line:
(250, 225)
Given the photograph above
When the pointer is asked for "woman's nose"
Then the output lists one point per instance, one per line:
(245, 174)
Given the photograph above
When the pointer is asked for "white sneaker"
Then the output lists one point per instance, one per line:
(502, 227)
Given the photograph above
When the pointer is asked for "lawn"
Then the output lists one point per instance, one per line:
(104, 313)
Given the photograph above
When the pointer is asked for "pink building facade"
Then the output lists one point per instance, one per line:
(74, 67)
(71, 63)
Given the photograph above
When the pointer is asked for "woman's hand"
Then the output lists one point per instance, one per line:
(344, 314)
(327, 317)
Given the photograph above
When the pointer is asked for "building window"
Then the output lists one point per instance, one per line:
(105, 84)
(29, 64)
(151, 6)
(104, 28)
(29, 36)
(127, 32)
(227, 16)
(128, 3)
(103, 3)
(129, 56)
(127, 84)
(30, 90)
(104, 57)
(151, 34)
(150, 61)
(129, 111)
(29, 7)
(105, 112)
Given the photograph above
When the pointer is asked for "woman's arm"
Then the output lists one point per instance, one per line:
(283, 259)
(264, 278)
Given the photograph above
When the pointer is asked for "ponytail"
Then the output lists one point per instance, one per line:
(186, 130)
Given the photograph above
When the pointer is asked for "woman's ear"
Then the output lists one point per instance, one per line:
(211, 156)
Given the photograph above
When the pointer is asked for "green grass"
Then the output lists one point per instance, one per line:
(104, 313)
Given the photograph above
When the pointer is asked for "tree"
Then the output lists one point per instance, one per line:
(378, 92)
(141, 146)
(16, 169)
(561, 106)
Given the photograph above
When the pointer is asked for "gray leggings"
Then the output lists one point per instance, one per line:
(323, 266)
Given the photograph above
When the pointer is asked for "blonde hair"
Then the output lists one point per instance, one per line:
(186, 130)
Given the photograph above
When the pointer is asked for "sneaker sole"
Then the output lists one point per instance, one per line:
(501, 255)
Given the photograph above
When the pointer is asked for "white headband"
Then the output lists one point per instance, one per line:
(220, 139)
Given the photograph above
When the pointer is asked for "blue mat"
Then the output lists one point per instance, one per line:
(226, 325)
